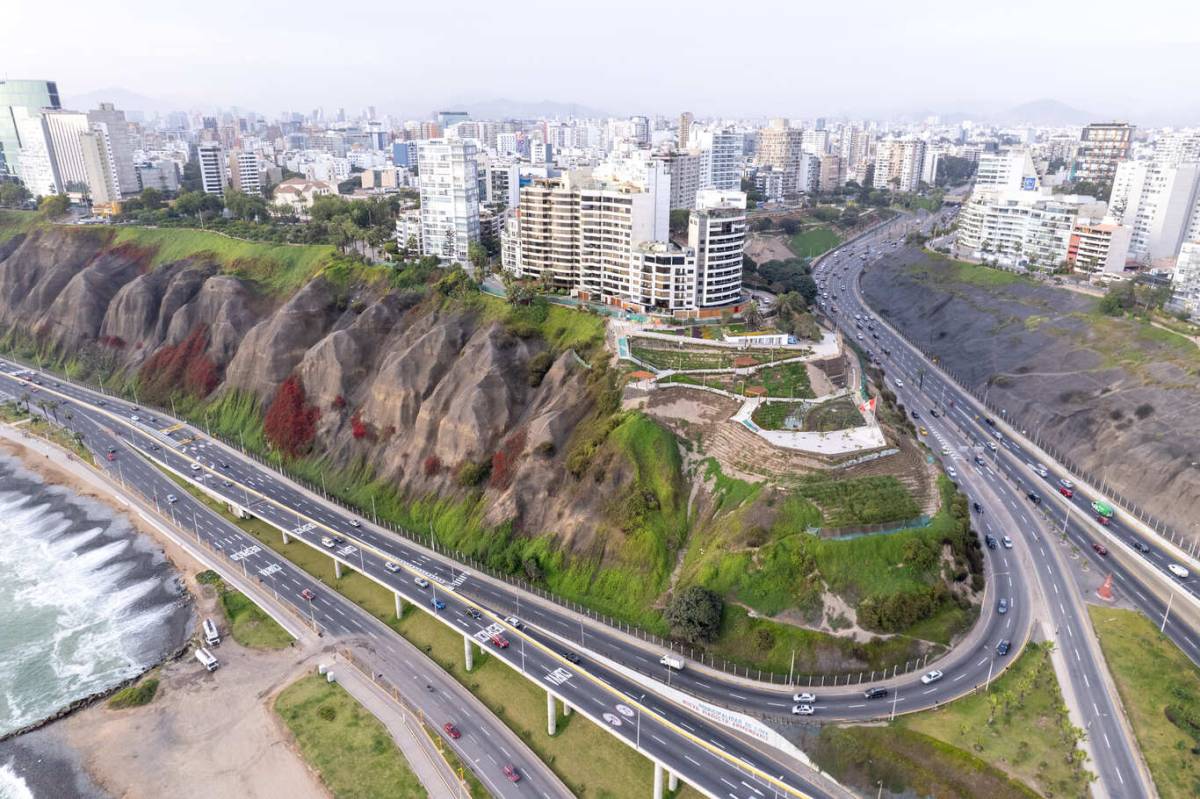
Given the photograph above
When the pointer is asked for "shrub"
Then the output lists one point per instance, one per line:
(184, 365)
(695, 614)
(471, 474)
(504, 461)
(339, 402)
(538, 366)
(432, 465)
(291, 423)
(135, 695)
(358, 427)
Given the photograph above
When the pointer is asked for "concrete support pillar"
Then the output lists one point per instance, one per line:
(337, 568)
(672, 781)
(566, 708)
(468, 652)
(286, 540)
(551, 715)
(658, 781)
(399, 606)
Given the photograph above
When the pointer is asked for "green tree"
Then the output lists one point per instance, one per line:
(152, 199)
(679, 220)
(695, 614)
(54, 205)
(762, 223)
(248, 207)
(478, 256)
(13, 194)
(789, 226)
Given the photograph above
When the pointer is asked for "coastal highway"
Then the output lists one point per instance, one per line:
(707, 756)
(274, 498)
(1006, 468)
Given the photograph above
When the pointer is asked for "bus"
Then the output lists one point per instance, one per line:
(1104, 511)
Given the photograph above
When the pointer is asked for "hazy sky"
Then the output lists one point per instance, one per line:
(754, 57)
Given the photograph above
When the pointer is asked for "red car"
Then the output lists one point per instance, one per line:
(308, 594)
(1066, 492)
(1103, 520)
(500, 642)
(511, 772)
(452, 731)
(1100, 549)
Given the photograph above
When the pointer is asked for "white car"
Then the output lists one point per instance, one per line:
(804, 698)
(1067, 484)
(392, 567)
(1007, 542)
(899, 383)
(945, 450)
(421, 582)
(355, 523)
(932, 676)
(515, 622)
(195, 467)
(172, 498)
(327, 542)
(802, 710)
(1178, 571)
(950, 472)
(992, 446)
(135, 418)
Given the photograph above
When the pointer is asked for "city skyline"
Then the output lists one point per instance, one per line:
(941, 59)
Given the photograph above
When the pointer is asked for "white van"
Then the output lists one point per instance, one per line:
(672, 662)
(211, 636)
(207, 659)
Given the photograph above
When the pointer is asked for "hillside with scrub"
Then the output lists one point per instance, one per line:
(499, 428)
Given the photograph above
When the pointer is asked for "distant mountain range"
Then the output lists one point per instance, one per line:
(121, 98)
(1046, 112)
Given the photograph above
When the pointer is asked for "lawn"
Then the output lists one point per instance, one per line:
(249, 625)
(350, 749)
(1160, 689)
(280, 268)
(1019, 726)
(786, 380)
(814, 241)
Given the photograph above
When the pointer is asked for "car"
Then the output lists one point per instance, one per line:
(474, 614)
(571, 657)
(992, 446)
(996, 434)
(135, 418)
(951, 472)
(511, 772)
(875, 693)
(392, 567)
(1003, 647)
(1104, 520)
(802, 710)
(171, 498)
(355, 523)
(308, 594)
(195, 467)
(337, 539)
(223, 464)
(923, 431)
(945, 450)
(915, 414)
(931, 677)
(1067, 484)
(978, 460)
(421, 582)
(1177, 570)
(1007, 542)
(437, 604)
(515, 622)
(899, 383)
(933, 412)
(1137, 544)
(1100, 549)
(327, 542)
(499, 641)
(990, 421)
(227, 483)
(451, 730)
(1034, 497)
(1002, 606)
(1066, 492)
(975, 506)
(804, 698)
(112, 450)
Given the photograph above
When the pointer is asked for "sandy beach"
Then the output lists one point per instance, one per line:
(204, 735)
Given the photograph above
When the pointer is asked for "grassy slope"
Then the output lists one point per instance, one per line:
(281, 268)
(14, 222)
(1152, 675)
(349, 748)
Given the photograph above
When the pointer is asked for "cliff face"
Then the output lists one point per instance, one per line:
(1118, 398)
(414, 388)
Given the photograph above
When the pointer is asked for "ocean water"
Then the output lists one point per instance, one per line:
(85, 603)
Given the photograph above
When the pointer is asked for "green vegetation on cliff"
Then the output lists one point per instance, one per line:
(15, 222)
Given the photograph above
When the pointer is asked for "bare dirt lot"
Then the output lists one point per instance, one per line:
(763, 247)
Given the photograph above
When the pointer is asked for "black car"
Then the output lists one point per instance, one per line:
(990, 540)
(975, 506)
(875, 693)
(1003, 647)
(474, 614)
(916, 415)
(337, 539)
(1139, 546)
(990, 421)
(1034, 497)
(571, 656)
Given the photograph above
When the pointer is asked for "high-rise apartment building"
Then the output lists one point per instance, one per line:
(685, 125)
(639, 130)
(683, 169)
(1011, 170)
(1102, 145)
(779, 147)
(64, 128)
(898, 164)
(1098, 248)
(30, 95)
(830, 173)
(717, 234)
(120, 145)
(449, 198)
(214, 173)
(815, 141)
(722, 151)
(245, 171)
(35, 164)
(99, 167)
(1158, 199)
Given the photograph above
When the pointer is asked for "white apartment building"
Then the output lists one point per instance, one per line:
(1099, 248)
(808, 173)
(1009, 171)
(1185, 282)
(683, 170)
(99, 168)
(449, 198)
(35, 160)
(64, 129)
(502, 183)
(1024, 227)
(245, 172)
(1158, 199)
(717, 234)
(214, 173)
(605, 239)
(898, 164)
(722, 153)
(120, 145)
(815, 142)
